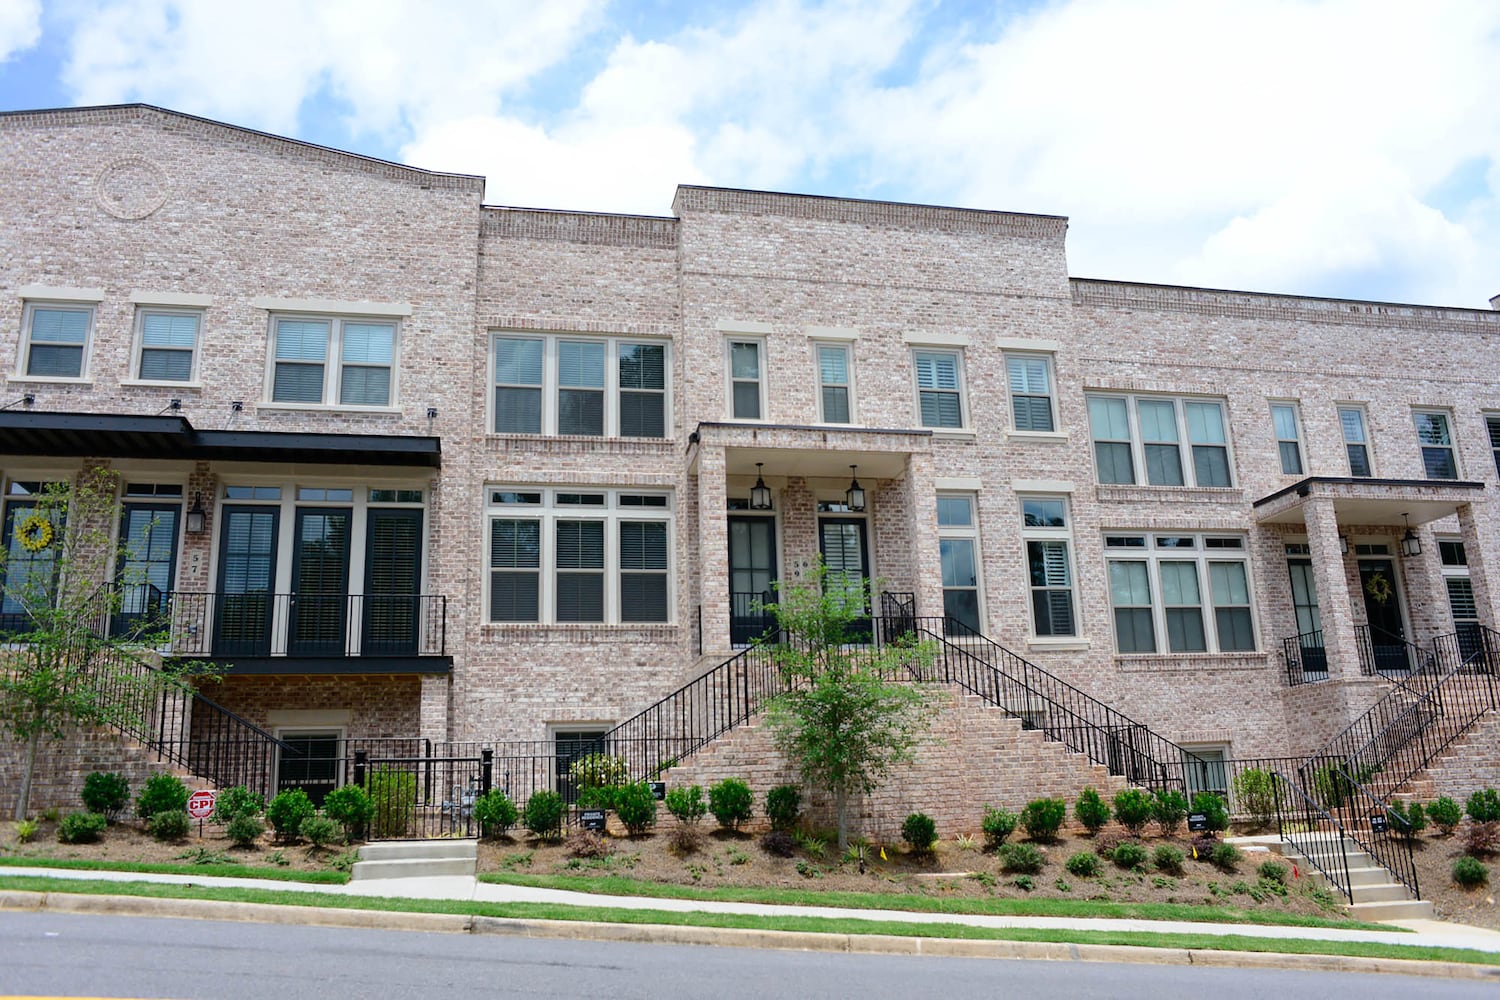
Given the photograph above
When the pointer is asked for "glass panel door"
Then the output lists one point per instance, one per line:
(320, 582)
(393, 571)
(247, 574)
(148, 539)
(846, 559)
(752, 571)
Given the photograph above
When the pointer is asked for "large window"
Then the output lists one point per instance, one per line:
(588, 387)
(958, 546)
(835, 385)
(1044, 526)
(333, 361)
(57, 340)
(579, 555)
(1356, 441)
(1288, 437)
(940, 397)
(1030, 379)
(1159, 441)
(1435, 437)
(1179, 593)
(747, 384)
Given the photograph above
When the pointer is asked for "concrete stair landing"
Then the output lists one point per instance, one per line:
(416, 859)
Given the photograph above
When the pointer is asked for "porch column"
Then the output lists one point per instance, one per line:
(713, 548)
(432, 720)
(927, 560)
(1329, 577)
(1476, 523)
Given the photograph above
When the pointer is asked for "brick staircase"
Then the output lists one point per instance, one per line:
(1471, 762)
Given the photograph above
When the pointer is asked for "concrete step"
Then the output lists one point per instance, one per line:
(412, 868)
(1407, 909)
(1383, 892)
(401, 850)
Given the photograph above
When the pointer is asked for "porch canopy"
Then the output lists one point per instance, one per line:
(816, 452)
(1369, 501)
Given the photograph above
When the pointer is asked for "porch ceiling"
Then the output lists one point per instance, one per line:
(1369, 501)
(814, 463)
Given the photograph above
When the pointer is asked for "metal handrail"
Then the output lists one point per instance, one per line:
(1377, 841)
(1294, 650)
(1315, 834)
(1418, 660)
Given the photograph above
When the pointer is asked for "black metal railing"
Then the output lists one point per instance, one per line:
(1306, 658)
(422, 796)
(226, 625)
(750, 617)
(1472, 646)
(1314, 832)
(1383, 653)
(1384, 834)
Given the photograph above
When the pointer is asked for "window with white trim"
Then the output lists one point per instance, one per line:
(1492, 424)
(1288, 437)
(1045, 530)
(747, 383)
(1030, 380)
(1159, 441)
(167, 342)
(333, 361)
(1180, 593)
(579, 554)
(1435, 438)
(591, 387)
(1356, 441)
(835, 384)
(958, 549)
(57, 340)
(940, 397)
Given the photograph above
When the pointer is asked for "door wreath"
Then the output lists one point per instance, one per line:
(35, 533)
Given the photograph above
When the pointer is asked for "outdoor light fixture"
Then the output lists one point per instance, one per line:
(854, 496)
(1344, 544)
(1411, 545)
(760, 493)
(196, 516)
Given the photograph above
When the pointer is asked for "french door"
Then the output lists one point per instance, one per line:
(247, 581)
(319, 617)
(393, 574)
(846, 558)
(148, 561)
(752, 571)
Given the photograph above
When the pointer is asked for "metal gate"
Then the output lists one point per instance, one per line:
(423, 798)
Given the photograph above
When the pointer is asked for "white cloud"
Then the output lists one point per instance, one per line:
(20, 26)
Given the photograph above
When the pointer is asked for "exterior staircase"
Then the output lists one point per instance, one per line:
(1377, 894)
(416, 859)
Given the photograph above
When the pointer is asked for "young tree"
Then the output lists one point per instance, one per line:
(81, 633)
(846, 719)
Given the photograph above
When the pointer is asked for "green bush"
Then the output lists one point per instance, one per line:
(1484, 807)
(1024, 882)
(1129, 855)
(287, 812)
(236, 801)
(783, 806)
(543, 814)
(1133, 809)
(1211, 806)
(106, 792)
(1255, 791)
(1225, 856)
(495, 813)
(636, 807)
(919, 830)
(1168, 808)
(163, 793)
(351, 808)
(1042, 818)
(82, 827)
(1445, 814)
(730, 802)
(1090, 811)
(1084, 864)
(1470, 872)
(26, 830)
(319, 830)
(244, 829)
(686, 804)
(1415, 819)
(170, 824)
(1272, 871)
(598, 770)
(1168, 859)
(1026, 858)
(394, 792)
(598, 796)
(998, 824)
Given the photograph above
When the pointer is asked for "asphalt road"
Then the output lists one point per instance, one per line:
(54, 954)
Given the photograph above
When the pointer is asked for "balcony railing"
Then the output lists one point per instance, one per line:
(308, 625)
(1306, 658)
(1383, 653)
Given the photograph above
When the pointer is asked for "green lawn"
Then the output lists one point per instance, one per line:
(230, 870)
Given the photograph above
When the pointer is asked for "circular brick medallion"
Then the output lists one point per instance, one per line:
(131, 188)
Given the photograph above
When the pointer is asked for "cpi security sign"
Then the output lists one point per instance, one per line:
(201, 804)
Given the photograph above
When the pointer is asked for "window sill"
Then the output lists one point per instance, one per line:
(48, 380)
(1156, 494)
(952, 434)
(549, 443)
(159, 383)
(1038, 437)
(1189, 662)
(327, 408)
(574, 632)
(1061, 645)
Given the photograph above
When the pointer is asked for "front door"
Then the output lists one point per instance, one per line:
(1309, 622)
(752, 571)
(393, 582)
(148, 540)
(320, 583)
(1377, 581)
(247, 576)
(846, 558)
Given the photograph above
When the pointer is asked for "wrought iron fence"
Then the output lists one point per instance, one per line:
(422, 797)
(1383, 653)
(1306, 658)
(263, 624)
(1314, 832)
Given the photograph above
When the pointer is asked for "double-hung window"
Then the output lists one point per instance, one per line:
(1159, 441)
(746, 379)
(1030, 378)
(169, 345)
(958, 548)
(1356, 441)
(57, 338)
(940, 401)
(1044, 527)
(579, 556)
(1461, 601)
(835, 386)
(1179, 593)
(1435, 437)
(333, 361)
(590, 387)
(1288, 439)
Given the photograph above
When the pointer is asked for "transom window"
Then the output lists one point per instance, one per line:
(1030, 378)
(1356, 441)
(940, 398)
(1045, 528)
(1179, 593)
(1288, 437)
(562, 555)
(836, 387)
(168, 345)
(1435, 437)
(588, 387)
(1159, 441)
(57, 340)
(333, 361)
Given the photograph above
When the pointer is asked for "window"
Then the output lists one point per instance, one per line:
(958, 545)
(1205, 769)
(1193, 591)
(1288, 440)
(1030, 392)
(168, 345)
(333, 361)
(1356, 441)
(1436, 441)
(28, 579)
(1175, 442)
(558, 555)
(746, 384)
(57, 340)
(1461, 603)
(835, 397)
(590, 388)
(1492, 423)
(1044, 527)
(939, 388)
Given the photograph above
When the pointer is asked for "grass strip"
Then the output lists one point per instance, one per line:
(821, 925)
(171, 868)
(616, 885)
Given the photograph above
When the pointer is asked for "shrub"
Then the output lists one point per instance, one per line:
(1026, 858)
(1133, 809)
(1272, 871)
(495, 813)
(543, 814)
(919, 831)
(685, 838)
(598, 770)
(394, 792)
(783, 806)
(26, 830)
(587, 843)
(236, 801)
(351, 807)
(1255, 791)
(1168, 859)
(1411, 820)
(106, 792)
(1024, 882)
(163, 793)
(1168, 808)
(1042, 818)
(82, 827)
(170, 824)
(730, 802)
(686, 804)
(1211, 806)
(778, 842)
(1484, 807)
(1084, 864)
(1470, 872)
(1445, 814)
(244, 829)
(597, 796)
(998, 824)
(1481, 838)
(319, 830)
(1225, 856)
(636, 807)
(1090, 811)
(287, 812)
(1129, 855)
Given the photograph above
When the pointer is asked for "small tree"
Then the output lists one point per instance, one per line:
(844, 720)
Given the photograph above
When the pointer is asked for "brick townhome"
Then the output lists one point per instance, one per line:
(470, 473)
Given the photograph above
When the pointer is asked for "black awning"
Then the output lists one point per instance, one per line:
(107, 435)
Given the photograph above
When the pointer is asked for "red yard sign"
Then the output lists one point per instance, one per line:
(201, 804)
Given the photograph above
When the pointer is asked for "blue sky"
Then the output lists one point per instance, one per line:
(1340, 147)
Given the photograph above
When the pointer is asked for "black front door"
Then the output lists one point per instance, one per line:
(393, 581)
(846, 558)
(247, 576)
(320, 583)
(148, 558)
(1377, 581)
(1309, 621)
(752, 571)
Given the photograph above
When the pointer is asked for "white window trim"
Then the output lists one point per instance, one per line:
(1367, 443)
(1048, 360)
(729, 379)
(848, 348)
(1044, 534)
(965, 420)
(970, 532)
(139, 344)
(1202, 556)
(1300, 440)
(549, 387)
(1452, 445)
(1184, 445)
(23, 356)
(333, 363)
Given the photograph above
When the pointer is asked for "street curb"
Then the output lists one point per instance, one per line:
(855, 944)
